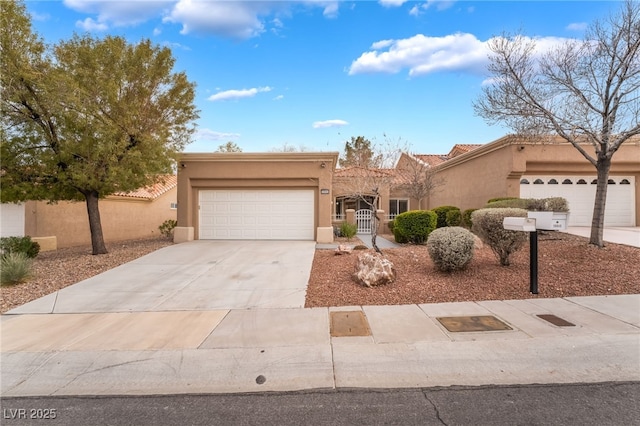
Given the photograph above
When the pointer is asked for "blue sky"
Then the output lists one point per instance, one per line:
(315, 73)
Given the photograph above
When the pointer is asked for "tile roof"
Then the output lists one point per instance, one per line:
(432, 159)
(458, 149)
(165, 183)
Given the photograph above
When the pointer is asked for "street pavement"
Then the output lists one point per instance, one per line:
(157, 326)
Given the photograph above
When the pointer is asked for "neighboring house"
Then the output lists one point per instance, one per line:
(124, 216)
(516, 167)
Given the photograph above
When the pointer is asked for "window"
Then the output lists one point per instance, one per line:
(553, 182)
(625, 182)
(397, 206)
(581, 182)
(567, 182)
(611, 182)
(538, 182)
(174, 206)
(524, 182)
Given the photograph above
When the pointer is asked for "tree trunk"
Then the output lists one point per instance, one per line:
(97, 239)
(603, 166)
(374, 230)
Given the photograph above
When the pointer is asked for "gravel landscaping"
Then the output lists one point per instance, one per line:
(568, 266)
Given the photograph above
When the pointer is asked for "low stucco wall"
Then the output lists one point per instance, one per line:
(122, 219)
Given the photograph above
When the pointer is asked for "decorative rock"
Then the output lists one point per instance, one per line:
(343, 249)
(373, 270)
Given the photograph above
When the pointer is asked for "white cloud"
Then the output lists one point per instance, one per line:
(329, 123)
(392, 3)
(157, 31)
(440, 5)
(212, 135)
(278, 98)
(40, 16)
(238, 94)
(118, 13)
(577, 26)
(90, 25)
(423, 55)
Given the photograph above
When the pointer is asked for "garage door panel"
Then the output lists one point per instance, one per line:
(619, 210)
(257, 214)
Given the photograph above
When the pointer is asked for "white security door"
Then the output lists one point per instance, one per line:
(580, 193)
(256, 215)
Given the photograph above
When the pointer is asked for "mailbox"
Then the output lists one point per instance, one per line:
(550, 221)
(525, 224)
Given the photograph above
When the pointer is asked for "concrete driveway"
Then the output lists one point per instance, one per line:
(194, 276)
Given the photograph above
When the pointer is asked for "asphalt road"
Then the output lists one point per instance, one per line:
(572, 404)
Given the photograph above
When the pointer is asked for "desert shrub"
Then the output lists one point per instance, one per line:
(511, 203)
(348, 230)
(466, 218)
(167, 227)
(493, 200)
(15, 268)
(391, 225)
(451, 248)
(441, 212)
(414, 226)
(361, 247)
(487, 225)
(553, 204)
(19, 245)
(454, 217)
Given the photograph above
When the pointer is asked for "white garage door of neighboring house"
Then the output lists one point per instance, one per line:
(12, 220)
(580, 192)
(257, 215)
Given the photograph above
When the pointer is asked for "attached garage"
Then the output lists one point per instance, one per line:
(257, 214)
(580, 193)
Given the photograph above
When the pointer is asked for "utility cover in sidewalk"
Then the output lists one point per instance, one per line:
(349, 323)
(474, 323)
(557, 321)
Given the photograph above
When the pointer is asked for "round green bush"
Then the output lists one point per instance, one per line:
(454, 217)
(451, 248)
(19, 245)
(466, 218)
(441, 212)
(348, 230)
(414, 226)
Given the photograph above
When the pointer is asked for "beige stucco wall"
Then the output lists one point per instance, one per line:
(122, 218)
(495, 169)
(254, 171)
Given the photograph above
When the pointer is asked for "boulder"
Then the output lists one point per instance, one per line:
(343, 249)
(372, 269)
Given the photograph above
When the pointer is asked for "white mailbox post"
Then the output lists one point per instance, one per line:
(527, 224)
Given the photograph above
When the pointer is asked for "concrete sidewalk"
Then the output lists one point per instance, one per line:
(282, 349)
(629, 236)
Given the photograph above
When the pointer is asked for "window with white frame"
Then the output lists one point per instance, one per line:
(397, 206)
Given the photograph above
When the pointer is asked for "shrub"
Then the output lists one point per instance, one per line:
(556, 204)
(19, 245)
(493, 200)
(466, 218)
(414, 226)
(454, 217)
(361, 247)
(487, 224)
(511, 203)
(451, 248)
(391, 225)
(15, 268)
(167, 227)
(348, 230)
(553, 204)
(441, 212)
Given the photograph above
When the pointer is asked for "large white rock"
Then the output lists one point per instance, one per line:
(372, 270)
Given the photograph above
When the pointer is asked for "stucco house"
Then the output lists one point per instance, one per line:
(517, 167)
(124, 216)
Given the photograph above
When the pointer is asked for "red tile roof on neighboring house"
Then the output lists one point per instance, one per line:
(435, 159)
(165, 183)
(357, 171)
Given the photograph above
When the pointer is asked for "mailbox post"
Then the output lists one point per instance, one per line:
(526, 224)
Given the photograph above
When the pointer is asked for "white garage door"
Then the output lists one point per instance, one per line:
(580, 192)
(256, 215)
(12, 220)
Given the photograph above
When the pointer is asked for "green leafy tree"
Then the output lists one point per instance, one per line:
(588, 93)
(87, 117)
(229, 147)
(359, 152)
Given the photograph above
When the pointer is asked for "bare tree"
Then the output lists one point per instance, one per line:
(418, 179)
(366, 182)
(229, 147)
(587, 92)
